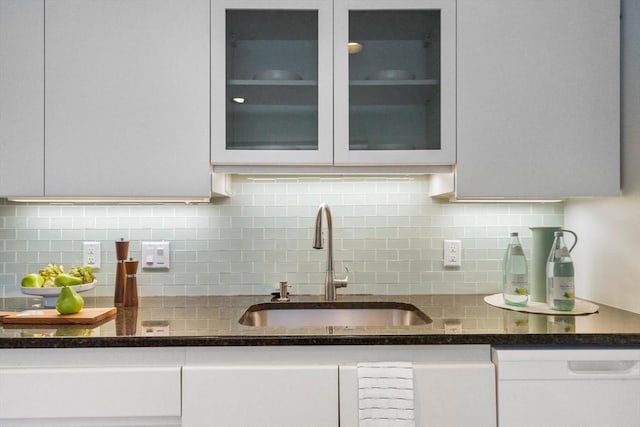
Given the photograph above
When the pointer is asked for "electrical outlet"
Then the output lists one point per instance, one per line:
(452, 256)
(452, 326)
(91, 254)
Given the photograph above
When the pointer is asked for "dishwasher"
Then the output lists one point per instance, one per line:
(567, 387)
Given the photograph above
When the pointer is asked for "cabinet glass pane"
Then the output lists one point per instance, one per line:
(272, 80)
(394, 80)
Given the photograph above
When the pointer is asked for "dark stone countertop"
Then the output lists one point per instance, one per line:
(213, 321)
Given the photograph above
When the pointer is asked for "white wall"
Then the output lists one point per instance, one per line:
(607, 257)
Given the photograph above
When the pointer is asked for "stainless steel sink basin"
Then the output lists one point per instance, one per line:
(341, 313)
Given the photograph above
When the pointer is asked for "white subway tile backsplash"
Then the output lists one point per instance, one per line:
(387, 231)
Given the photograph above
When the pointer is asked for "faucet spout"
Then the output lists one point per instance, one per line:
(330, 281)
(317, 241)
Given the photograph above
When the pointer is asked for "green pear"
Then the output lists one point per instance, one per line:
(69, 301)
(72, 332)
(32, 280)
(66, 280)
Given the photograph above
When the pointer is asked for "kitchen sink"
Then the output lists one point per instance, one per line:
(335, 313)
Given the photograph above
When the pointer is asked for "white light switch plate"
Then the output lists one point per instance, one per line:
(155, 255)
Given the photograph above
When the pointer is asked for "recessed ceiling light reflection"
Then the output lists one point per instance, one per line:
(239, 100)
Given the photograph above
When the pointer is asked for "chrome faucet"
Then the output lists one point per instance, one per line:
(330, 281)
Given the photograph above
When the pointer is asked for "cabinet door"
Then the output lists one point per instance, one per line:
(79, 393)
(127, 98)
(441, 390)
(394, 65)
(538, 98)
(266, 396)
(271, 74)
(21, 97)
(568, 387)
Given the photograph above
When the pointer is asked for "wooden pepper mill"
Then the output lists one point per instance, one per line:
(126, 321)
(122, 251)
(131, 285)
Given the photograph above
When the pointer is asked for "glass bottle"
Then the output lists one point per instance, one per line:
(560, 276)
(515, 286)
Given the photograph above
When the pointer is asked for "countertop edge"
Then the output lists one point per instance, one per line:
(592, 340)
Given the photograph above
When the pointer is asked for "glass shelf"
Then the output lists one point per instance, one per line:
(278, 92)
(392, 92)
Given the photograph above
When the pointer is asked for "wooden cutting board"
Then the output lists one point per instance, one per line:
(86, 316)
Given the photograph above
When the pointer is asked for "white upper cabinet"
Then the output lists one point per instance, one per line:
(395, 87)
(287, 91)
(21, 97)
(272, 82)
(127, 98)
(538, 98)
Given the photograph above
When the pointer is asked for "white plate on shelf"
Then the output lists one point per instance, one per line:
(277, 75)
(391, 75)
(51, 293)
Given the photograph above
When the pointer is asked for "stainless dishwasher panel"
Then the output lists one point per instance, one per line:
(568, 387)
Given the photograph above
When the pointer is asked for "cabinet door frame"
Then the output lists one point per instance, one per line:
(447, 152)
(219, 153)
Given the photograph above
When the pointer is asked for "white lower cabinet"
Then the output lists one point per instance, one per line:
(318, 386)
(568, 387)
(440, 389)
(89, 392)
(89, 388)
(260, 395)
(280, 386)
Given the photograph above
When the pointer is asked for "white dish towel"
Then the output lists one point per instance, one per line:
(385, 394)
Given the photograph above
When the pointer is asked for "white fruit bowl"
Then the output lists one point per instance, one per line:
(51, 294)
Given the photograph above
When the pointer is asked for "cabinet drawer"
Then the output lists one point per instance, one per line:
(89, 392)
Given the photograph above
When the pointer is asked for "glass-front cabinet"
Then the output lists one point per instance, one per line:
(333, 82)
(394, 70)
(271, 82)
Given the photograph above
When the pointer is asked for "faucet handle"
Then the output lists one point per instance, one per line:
(284, 293)
(342, 283)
